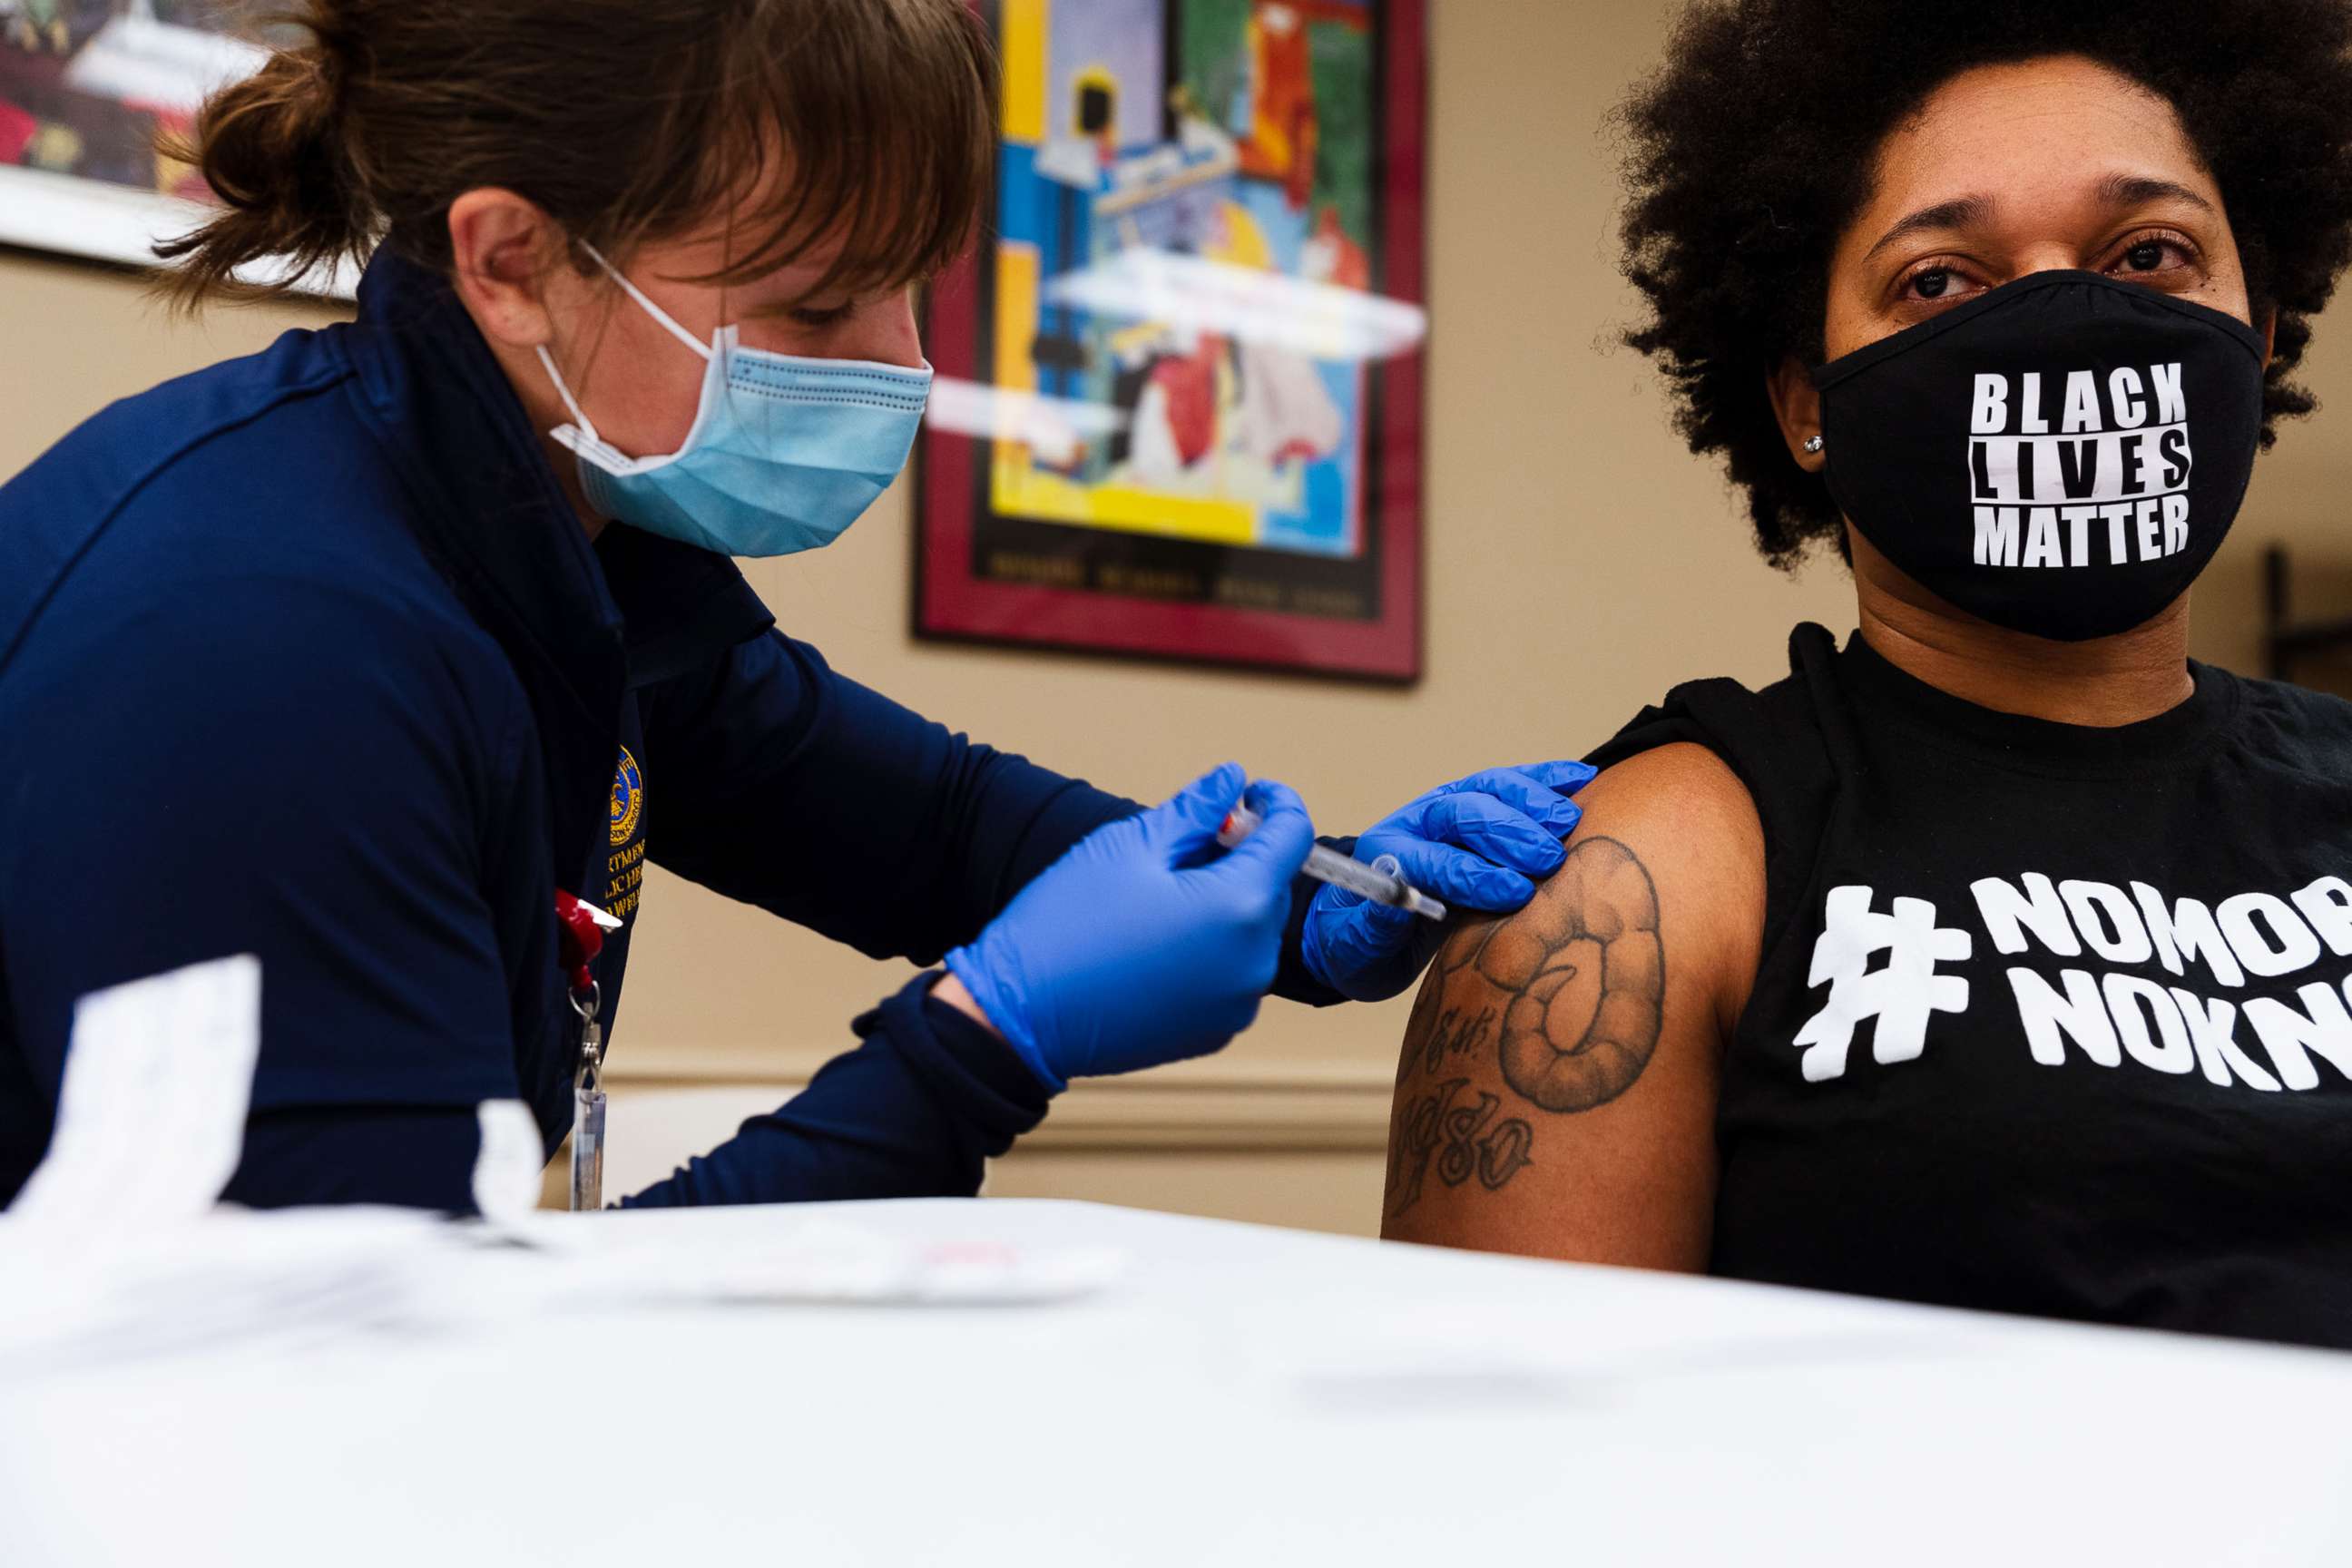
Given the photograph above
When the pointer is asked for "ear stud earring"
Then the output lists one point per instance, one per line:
(1813, 443)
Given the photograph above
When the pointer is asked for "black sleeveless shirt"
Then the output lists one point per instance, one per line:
(2049, 1019)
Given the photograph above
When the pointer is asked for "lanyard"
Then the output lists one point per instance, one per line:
(579, 928)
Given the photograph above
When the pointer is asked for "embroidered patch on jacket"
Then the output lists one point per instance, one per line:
(628, 798)
(624, 868)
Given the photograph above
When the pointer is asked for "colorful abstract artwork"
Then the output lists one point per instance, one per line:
(1180, 402)
(88, 90)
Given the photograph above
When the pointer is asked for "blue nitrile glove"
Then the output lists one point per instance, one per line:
(1474, 844)
(1146, 944)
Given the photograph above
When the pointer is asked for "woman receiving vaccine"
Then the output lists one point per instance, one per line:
(1998, 956)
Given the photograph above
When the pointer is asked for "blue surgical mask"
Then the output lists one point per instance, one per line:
(784, 455)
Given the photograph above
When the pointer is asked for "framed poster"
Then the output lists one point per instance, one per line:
(87, 88)
(1178, 411)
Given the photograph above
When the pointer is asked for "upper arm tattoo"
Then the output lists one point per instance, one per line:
(1561, 1046)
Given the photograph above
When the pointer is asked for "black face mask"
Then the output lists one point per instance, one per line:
(2060, 456)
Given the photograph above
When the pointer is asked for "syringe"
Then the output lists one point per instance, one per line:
(1381, 881)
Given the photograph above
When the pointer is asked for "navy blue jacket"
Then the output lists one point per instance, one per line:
(306, 656)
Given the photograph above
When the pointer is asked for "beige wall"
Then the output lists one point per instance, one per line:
(1580, 562)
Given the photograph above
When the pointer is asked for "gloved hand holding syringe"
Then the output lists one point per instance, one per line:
(1383, 881)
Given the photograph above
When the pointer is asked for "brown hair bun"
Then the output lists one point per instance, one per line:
(271, 149)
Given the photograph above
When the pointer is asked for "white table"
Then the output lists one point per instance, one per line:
(1243, 1396)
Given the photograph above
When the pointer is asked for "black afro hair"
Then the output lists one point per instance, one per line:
(1751, 151)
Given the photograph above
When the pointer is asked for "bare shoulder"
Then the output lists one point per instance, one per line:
(1685, 802)
(1606, 1000)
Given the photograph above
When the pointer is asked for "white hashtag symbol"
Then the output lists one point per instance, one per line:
(1900, 996)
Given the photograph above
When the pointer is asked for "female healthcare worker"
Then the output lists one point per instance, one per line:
(327, 655)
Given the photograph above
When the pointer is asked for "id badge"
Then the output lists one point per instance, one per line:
(587, 1148)
(588, 1109)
